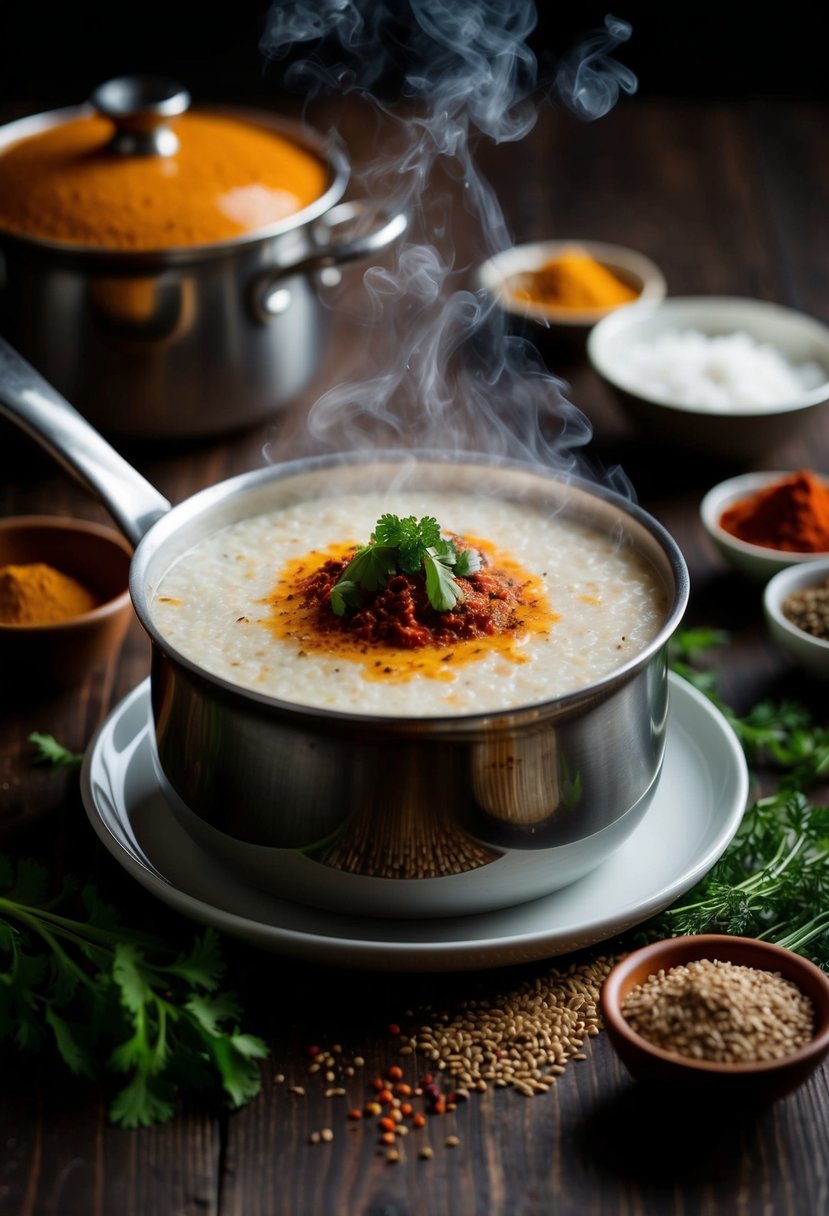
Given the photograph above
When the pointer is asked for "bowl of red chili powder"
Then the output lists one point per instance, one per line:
(765, 522)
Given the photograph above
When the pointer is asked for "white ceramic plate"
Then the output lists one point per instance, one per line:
(697, 809)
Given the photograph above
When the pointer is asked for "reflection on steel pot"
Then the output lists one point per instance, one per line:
(162, 266)
(387, 815)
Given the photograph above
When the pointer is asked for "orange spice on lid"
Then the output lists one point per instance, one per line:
(229, 177)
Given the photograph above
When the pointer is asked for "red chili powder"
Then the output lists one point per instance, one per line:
(792, 514)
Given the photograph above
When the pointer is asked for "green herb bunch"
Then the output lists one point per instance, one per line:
(772, 882)
(406, 546)
(117, 1001)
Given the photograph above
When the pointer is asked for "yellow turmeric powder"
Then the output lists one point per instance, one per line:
(575, 280)
(37, 594)
(228, 177)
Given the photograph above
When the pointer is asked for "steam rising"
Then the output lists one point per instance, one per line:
(441, 76)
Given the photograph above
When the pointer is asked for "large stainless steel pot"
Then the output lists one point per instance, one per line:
(421, 816)
(184, 342)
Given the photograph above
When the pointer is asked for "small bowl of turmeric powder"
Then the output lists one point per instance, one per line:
(556, 291)
(64, 598)
(765, 522)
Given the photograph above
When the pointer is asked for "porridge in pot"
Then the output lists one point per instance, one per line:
(511, 605)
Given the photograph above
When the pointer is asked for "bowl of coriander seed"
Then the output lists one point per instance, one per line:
(737, 1018)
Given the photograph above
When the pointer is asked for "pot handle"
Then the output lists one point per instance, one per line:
(30, 402)
(346, 233)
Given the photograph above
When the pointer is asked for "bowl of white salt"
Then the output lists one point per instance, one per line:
(724, 377)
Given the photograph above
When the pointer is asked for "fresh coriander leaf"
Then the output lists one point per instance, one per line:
(210, 1011)
(202, 965)
(370, 567)
(142, 1102)
(75, 1054)
(443, 592)
(409, 545)
(468, 562)
(130, 978)
(344, 595)
(54, 753)
(112, 998)
(444, 550)
(234, 1053)
(390, 530)
(416, 540)
(235, 1057)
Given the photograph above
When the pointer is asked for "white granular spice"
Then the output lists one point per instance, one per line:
(722, 1012)
(715, 372)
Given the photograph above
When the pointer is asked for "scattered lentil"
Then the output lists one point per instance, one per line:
(722, 1012)
(521, 1038)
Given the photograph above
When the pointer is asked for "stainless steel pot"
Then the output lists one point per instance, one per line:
(420, 816)
(183, 342)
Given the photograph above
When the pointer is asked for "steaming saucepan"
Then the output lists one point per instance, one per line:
(437, 813)
(157, 321)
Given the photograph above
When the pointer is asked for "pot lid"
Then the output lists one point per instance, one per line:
(141, 172)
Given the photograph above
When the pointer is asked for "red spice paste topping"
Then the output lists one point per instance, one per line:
(400, 614)
(395, 632)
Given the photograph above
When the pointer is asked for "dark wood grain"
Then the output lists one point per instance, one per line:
(728, 199)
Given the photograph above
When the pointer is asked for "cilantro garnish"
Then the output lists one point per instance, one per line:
(49, 751)
(409, 546)
(117, 1000)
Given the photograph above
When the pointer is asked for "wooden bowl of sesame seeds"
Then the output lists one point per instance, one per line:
(732, 1016)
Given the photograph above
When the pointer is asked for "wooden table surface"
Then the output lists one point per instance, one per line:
(728, 199)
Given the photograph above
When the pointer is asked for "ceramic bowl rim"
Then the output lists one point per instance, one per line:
(639, 311)
(778, 587)
(87, 527)
(653, 952)
(492, 272)
(731, 490)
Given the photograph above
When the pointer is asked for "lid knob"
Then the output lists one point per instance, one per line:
(140, 107)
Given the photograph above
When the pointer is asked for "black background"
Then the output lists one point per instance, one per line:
(56, 52)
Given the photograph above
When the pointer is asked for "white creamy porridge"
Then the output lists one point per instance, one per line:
(606, 604)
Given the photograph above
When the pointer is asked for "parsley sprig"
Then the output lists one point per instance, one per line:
(407, 545)
(50, 752)
(112, 999)
(772, 881)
